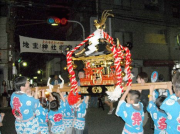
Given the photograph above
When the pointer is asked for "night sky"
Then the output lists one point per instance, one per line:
(27, 19)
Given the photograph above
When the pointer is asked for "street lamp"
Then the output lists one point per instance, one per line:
(80, 25)
(40, 72)
(24, 64)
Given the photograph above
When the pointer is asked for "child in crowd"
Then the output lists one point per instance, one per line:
(142, 78)
(55, 115)
(157, 115)
(42, 114)
(23, 108)
(171, 105)
(68, 116)
(79, 114)
(159, 92)
(1, 118)
(68, 111)
(131, 112)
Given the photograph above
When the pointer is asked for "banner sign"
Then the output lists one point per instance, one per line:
(34, 45)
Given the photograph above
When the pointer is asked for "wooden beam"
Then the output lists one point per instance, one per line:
(66, 88)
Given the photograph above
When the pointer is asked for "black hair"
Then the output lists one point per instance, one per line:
(135, 95)
(43, 102)
(54, 105)
(20, 81)
(161, 78)
(143, 76)
(159, 101)
(82, 97)
(56, 96)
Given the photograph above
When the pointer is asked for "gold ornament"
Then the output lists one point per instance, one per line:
(101, 40)
(97, 90)
(101, 24)
(67, 49)
(74, 66)
(101, 62)
(122, 63)
(130, 67)
(123, 73)
(97, 48)
(69, 84)
(70, 76)
(47, 94)
(123, 83)
(65, 68)
(109, 62)
(130, 60)
(108, 47)
(124, 54)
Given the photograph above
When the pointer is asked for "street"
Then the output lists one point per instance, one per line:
(98, 122)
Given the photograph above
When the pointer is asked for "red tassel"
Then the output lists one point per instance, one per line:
(73, 99)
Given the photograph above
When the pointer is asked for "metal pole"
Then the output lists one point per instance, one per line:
(19, 65)
(80, 25)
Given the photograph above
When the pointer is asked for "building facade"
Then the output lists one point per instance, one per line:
(152, 26)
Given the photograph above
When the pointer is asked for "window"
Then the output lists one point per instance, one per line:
(152, 5)
(175, 11)
(155, 36)
(125, 4)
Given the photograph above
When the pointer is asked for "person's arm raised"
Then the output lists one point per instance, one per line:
(125, 94)
(169, 87)
(43, 94)
(36, 93)
(87, 99)
(151, 90)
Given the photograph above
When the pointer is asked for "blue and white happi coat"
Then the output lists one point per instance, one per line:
(171, 105)
(133, 117)
(79, 115)
(158, 117)
(42, 115)
(56, 118)
(23, 109)
(68, 115)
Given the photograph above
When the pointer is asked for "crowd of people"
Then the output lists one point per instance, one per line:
(164, 110)
(35, 112)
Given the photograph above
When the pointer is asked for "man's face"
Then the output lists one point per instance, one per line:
(81, 75)
(55, 77)
(138, 80)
